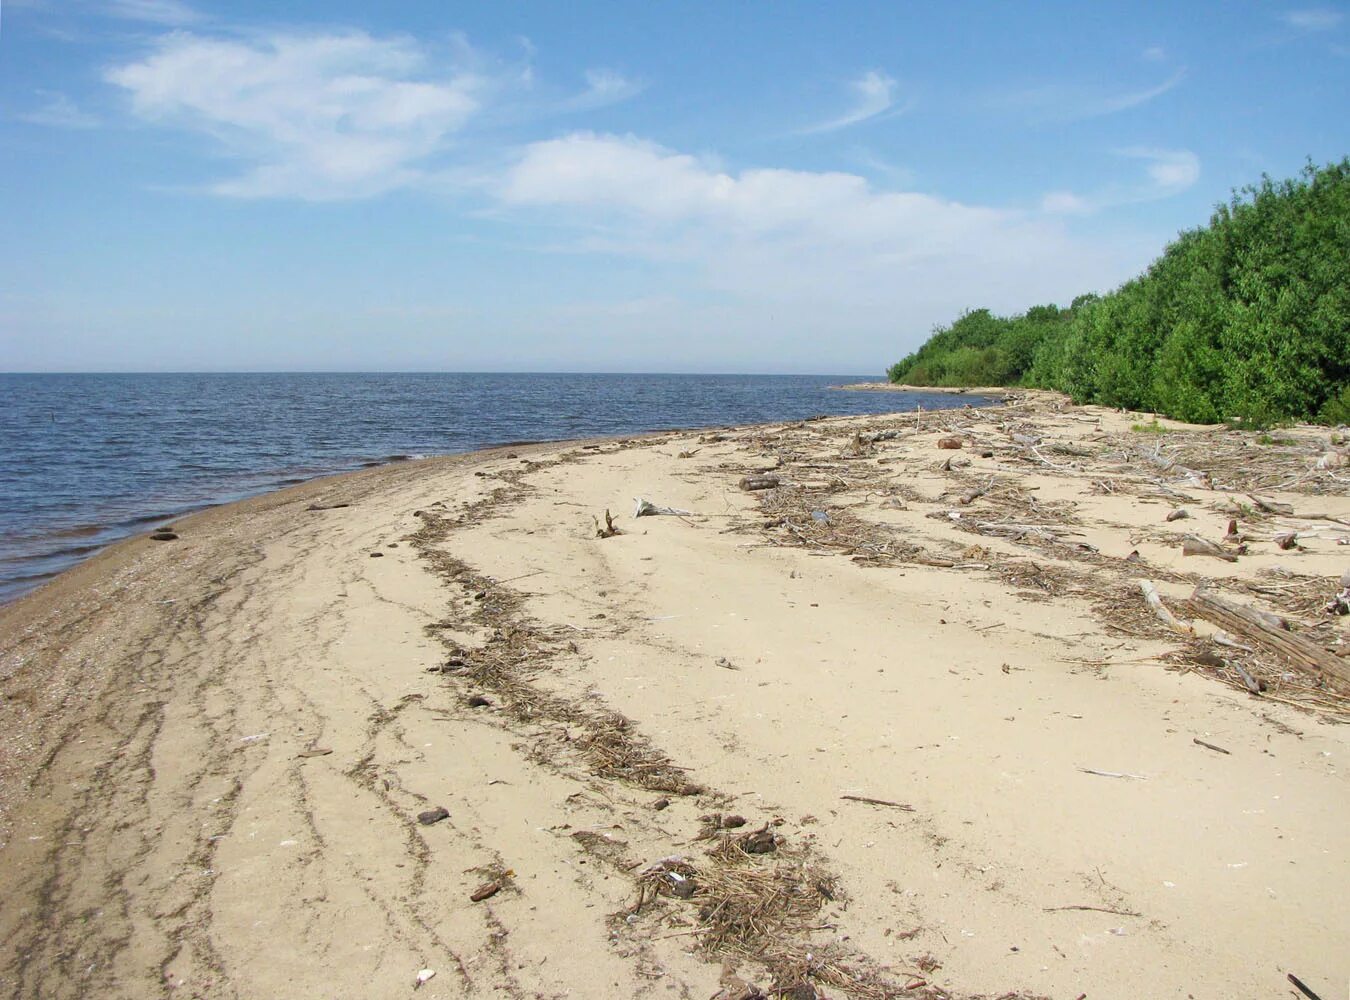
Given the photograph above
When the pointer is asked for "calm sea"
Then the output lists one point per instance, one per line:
(88, 459)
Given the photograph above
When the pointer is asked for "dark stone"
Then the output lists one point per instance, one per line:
(733, 822)
(164, 536)
(660, 804)
(377, 555)
(433, 815)
(478, 701)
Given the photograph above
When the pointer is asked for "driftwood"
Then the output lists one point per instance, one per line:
(1253, 626)
(645, 508)
(878, 802)
(759, 482)
(1154, 600)
(1194, 545)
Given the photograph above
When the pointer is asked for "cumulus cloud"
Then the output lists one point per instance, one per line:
(1312, 19)
(873, 96)
(827, 243)
(314, 116)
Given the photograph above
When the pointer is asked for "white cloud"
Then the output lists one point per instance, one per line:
(315, 116)
(1065, 103)
(874, 95)
(826, 247)
(1154, 53)
(58, 111)
(1167, 171)
(603, 86)
(168, 13)
(1312, 19)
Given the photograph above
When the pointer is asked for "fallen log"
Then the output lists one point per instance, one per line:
(1251, 625)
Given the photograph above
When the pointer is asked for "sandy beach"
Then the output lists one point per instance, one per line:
(900, 723)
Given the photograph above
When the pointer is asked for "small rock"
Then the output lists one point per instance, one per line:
(1178, 515)
(377, 555)
(684, 888)
(986, 454)
(432, 816)
(733, 822)
(660, 804)
(952, 443)
(164, 536)
(478, 701)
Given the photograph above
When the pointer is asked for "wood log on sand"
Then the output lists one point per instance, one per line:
(1252, 626)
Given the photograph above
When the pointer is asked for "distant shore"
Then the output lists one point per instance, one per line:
(994, 392)
(436, 723)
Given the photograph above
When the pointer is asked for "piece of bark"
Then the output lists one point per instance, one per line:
(1154, 600)
(1253, 626)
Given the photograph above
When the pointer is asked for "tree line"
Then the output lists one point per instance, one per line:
(1245, 320)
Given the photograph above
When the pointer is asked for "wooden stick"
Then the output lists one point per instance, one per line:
(1154, 600)
(878, 802)
(1252, 626)
(1208, 746)
(1095, 909)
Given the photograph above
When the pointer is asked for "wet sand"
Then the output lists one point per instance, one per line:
(963, 747)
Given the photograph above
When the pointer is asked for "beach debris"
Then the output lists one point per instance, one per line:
(255, 737)
(489, 889)
(315, 752)
(820, 517)
(1271, 506)
(951, 442)
(1303, 988)
(1232, 537)
(1179, 514)
(688, 454)
(762, 841)
(335, 506)
(1154, 599)
(430, 817)
(377, 555)
(645, 508)
(477, 701)
(733, 822)
(882, 802)
(1332, 460)
(726, 664)
(1194, 545)
(759, 481)
(1339, 604)
(608, 529)
(1287, 540)
(1112, 774)
(1269, 632)
(681, 886)
(660, 804)
(1092, 909)
(1208, 746)
(424, 976)
(164, 536)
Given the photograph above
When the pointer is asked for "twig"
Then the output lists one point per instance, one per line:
(878, 802)
(1112, 774)
(1208, 746)
(1095, 909)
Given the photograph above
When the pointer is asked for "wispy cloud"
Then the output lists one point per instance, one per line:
(1313, 19)
(1167, 172)
(873, 97)
(1154, 53)
(316, 116)
(167, 13)
(58, 111)
(1060, 102)
(603, 87)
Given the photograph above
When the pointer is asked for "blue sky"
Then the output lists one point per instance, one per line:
(613, 187)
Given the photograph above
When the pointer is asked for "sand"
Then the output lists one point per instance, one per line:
(216, 749)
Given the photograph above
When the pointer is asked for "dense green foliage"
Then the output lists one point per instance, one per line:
(1245, 319)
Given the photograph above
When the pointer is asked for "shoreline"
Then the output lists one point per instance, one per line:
(959, 715)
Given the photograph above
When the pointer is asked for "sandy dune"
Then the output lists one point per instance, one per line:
(216, 749)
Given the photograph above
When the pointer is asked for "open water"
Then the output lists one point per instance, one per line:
(86, 460)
